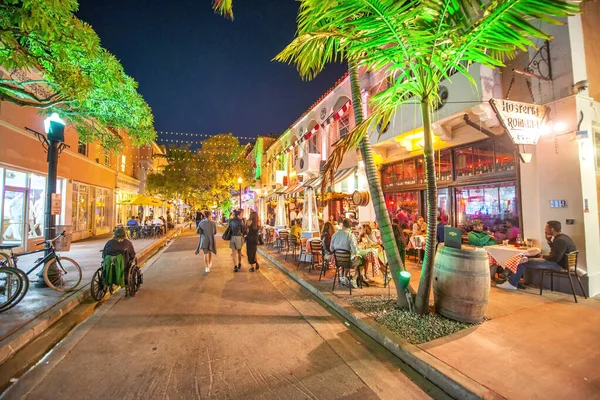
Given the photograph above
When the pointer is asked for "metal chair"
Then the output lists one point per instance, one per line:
(316, 251)
(571, 271)
(343, 262)
(283, 240)
(292, 245)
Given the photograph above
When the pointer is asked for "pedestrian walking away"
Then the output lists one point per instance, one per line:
(207, 228)
(236, 228)
(253, 227)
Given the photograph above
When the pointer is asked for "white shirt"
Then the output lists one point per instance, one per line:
(300, 215)
(344, 239)
(292, 214)
(157, 221)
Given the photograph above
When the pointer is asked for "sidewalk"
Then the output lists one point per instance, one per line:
(41, 308)
(532, 347)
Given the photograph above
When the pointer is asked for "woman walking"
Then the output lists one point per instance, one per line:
(253, 228)
(207, 228)
(236, 227)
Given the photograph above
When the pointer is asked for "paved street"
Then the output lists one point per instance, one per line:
(221, 335)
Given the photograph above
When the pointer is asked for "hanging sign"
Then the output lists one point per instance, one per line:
(523, 121)
(56, 204)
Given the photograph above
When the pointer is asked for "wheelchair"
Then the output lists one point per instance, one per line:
(133, 281)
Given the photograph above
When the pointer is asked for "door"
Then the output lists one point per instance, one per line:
(13, 216)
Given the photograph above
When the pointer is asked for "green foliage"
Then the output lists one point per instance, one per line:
(224, 7)
(55, 63)
(203, 178)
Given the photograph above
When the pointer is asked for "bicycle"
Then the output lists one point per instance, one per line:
(99, 287)
(11, 288)
(60, 273)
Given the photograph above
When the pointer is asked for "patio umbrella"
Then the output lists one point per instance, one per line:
(280, 214)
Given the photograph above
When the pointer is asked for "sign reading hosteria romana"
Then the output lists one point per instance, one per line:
(522, 121)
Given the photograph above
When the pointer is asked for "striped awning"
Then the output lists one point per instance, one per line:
(338, 176)
(292, 190)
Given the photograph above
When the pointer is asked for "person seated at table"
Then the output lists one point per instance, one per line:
(377, 232)
(560, 245)
(367, 236)
(132, 224)
(419, 227)
(477, 237)
(512, 230)
(296, 229)
(326, 234)
(344, 239)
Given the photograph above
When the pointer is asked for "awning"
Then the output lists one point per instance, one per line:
(291, 190)
(142, 200)
(342, 174)
(314, 182)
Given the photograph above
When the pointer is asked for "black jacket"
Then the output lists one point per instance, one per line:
(236, 227)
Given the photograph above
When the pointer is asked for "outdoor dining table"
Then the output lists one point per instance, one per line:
(509, 257)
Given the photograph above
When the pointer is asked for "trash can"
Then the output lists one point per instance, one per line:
(63, 243)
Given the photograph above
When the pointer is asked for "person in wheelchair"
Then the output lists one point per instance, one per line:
(120, 245)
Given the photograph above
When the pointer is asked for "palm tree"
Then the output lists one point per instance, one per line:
(418, 43)
(224, 7)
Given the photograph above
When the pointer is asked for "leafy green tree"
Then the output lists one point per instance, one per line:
(54, 62)
(419, 43)
(177, 180)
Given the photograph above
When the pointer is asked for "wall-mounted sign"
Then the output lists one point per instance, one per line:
(56, 204)
(558, 204)
(523, 121)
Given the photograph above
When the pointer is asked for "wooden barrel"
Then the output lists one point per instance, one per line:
(461, 284)
(360, 198)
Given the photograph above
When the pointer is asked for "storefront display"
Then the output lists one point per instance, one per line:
(491, 204)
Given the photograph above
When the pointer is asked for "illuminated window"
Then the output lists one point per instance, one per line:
(107, 158)
(313, 144)
(123, 163)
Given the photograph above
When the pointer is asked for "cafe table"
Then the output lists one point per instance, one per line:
(509, 257)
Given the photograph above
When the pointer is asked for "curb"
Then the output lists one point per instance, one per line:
(450, 380)
(14, 342)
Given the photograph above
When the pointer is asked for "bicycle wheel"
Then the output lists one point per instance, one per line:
(11, 287)
(5, 260)
(62, 274)
(97, 287)
(133, 281)
(23, 291)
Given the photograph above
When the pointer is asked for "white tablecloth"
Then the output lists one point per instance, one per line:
(504, 253)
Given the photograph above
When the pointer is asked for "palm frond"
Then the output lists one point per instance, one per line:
(224, 8)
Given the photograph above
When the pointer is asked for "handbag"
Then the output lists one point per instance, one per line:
(227, 234)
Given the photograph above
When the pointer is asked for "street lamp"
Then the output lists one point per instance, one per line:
(53, 143)
(240, 182)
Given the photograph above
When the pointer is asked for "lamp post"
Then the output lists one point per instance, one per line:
(240, 182)
(54, 144)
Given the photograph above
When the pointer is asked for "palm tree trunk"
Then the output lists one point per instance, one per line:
(422, 301)
(381, 213)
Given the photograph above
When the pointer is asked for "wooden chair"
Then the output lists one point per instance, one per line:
(292, 244)
(571, 271)
(343, 263)
(316, 251)
(283, 240)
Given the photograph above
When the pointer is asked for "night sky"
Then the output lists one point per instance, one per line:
(201, 73)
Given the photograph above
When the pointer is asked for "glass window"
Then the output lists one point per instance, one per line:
(483, 158)
(13, 223)
(107, 158)
(281, 163)
(505, 157)
(443, 204)
(16, 179)
(387, 176)
(80, 207)
(123, 163)
(82, 148)
(344, 125)
(403, 206)
(491, 204)
(37, 202)
(313, 144)
(464, 161)
(410, 172)
(102, 207)
(398, 174)
(443, 163)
